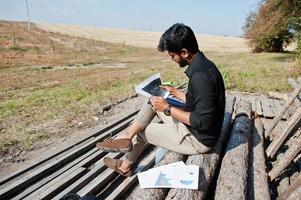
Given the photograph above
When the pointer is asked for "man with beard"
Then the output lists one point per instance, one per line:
(190, 130)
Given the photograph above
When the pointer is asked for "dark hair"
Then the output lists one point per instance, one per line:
(177, 37)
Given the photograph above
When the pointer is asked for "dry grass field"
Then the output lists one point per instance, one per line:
(54, 79)
(146, 39)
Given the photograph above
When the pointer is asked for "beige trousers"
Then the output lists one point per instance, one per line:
(171, 134)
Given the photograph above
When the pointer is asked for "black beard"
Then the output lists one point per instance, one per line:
(182, 63)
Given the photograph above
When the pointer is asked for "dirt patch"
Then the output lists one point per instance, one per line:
(18, 159)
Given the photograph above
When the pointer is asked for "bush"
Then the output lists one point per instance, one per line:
(276, 23)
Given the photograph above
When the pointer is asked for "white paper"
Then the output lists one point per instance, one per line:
(174, 175)
(151, 87)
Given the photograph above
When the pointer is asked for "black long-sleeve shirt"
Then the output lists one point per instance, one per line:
(205, 99)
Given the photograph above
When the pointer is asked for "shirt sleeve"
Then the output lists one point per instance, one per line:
(204, 95)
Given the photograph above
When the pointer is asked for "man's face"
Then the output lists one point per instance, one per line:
(178, 59)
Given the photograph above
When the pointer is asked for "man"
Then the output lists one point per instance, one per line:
(192, 130)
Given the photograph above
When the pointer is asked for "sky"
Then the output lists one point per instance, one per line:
(215, 17)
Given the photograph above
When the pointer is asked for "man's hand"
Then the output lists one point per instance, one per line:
(159, 103)
(170, 89)
(174, 91)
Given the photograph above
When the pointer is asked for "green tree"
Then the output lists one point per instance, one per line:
(275, 24)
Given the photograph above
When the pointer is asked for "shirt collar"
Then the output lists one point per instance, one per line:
(193, 64)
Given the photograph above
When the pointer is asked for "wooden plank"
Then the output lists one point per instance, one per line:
(232, 184)
(59, 181)
(104, 178)
(50, 177)
(258, 187)
(289, 155)
(278, 104)
(118, 192)
(98, 168)
(266, 108)
(297, 160)
(65, 150)
(293, 124)
(283, 179)
(272, 106)
(293, 192)
(277, 130)
(64, 181)
(258, 107)
(46, 169)
(238, 98)
(283, 110)
(253, 103)
(295, 84)
(294, 171)
(207, 162)
(98, 182)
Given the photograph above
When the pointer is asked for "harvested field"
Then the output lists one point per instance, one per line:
(146, 39)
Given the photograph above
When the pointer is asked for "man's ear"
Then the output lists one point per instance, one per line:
(184, 53)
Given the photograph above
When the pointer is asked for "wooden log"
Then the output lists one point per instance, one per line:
(232, 180)
(289, 155)
(258, 187)
(293, 124)
(208, 162)
(155, 193)
(293, 192)
(283, 110)
(283, 179)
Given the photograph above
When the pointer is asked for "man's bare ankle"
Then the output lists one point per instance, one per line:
(126, 165)
(124, 135)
